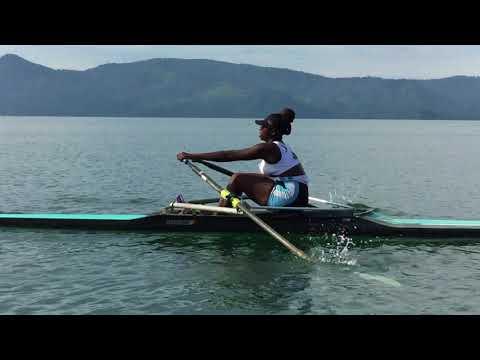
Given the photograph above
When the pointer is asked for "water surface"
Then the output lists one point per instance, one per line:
(128, 165)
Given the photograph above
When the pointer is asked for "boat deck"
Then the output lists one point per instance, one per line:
(113, 217)
(400, 222)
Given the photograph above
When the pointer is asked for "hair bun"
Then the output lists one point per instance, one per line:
(288, 114)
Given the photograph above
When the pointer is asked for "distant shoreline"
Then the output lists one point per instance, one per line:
(179, 88)
(224, 117)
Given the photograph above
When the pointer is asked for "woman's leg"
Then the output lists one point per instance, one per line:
(256, 186)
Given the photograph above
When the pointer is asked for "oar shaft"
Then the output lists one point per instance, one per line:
(275, 234)
(328, 202)
(247, 212)
(215, 167)
(204, 176)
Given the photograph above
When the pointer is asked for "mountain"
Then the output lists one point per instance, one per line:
(201, 88)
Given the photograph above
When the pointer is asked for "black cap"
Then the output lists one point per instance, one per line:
(277, 122)
(272, 121)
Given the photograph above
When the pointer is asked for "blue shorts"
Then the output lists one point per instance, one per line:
(283, 193)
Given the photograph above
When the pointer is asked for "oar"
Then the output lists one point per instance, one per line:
(230, 173)
(328, 202)
(215, 167)
(236, 203)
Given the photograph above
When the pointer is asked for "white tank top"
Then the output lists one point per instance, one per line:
(287, 161)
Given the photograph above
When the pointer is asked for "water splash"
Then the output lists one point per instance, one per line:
(345, 198)
(337, 252)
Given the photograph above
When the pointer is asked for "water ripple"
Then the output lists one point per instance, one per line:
(70, 165)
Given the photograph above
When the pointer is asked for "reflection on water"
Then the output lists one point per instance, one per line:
(246, 273)
(62, 271)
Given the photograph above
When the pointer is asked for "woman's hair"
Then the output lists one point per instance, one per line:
(288, 115)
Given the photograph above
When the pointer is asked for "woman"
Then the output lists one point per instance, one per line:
(282, 180)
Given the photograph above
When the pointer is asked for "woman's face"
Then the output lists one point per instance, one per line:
(264, 133)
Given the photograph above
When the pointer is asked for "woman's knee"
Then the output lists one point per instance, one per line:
(235, 178)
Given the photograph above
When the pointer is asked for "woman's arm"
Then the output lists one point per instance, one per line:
(266, 151)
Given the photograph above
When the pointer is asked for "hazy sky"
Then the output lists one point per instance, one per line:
(387, 61)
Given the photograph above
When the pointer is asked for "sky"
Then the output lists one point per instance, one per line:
(386, 61)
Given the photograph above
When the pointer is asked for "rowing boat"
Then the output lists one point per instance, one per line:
(201, 216)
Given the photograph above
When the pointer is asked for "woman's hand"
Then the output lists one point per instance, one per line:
(183, 155)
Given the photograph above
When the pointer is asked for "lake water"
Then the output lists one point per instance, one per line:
(128, 165)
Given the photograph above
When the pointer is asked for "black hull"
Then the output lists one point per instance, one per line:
(325, 222)
(296, 223)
